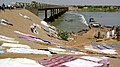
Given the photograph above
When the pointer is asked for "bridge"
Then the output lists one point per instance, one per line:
(55, 10)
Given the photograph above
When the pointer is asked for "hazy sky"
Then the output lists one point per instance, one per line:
(70, 2)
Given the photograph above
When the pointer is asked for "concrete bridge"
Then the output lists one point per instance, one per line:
(55, 10)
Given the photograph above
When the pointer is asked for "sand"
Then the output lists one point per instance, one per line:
(23, 25)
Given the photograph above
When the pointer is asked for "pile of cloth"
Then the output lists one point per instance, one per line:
(101, 48)
(70, 61)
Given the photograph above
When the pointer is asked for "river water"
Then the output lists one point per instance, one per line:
(71, 22)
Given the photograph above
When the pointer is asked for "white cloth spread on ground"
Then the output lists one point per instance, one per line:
(15, 45)
(56, 49)
(5, 22)
(18, 62)
(8, 39)
(101, 49)
(63, 51)
(18, 32)
(25, 16)
(105, 62)
(81, 63)
(28, 51)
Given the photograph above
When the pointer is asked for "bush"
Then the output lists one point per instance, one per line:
(62, 34)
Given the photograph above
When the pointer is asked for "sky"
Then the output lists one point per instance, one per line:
(69, 2)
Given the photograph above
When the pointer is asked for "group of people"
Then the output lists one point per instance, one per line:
(105, 33)
(3, 7)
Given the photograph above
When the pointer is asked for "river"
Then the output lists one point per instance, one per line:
(71, 22)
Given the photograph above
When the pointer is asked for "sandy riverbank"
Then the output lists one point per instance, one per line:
(23, 25)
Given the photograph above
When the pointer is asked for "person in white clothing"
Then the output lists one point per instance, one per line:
(113, 32)
(108, 34)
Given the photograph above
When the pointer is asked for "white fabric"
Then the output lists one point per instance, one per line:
(29, 51)
(44, 23)
(21, 14)
(4, 37)
(19, 62)
(15, 45)
(81, 63)
(26, 17)
(8, 39)
(113, 32)
(108, 34)
(2, 22)
(56, 49)
(91, 58)
(63, 51)
(52, 31)
(106, 51)
(109, 51)
(18, 32)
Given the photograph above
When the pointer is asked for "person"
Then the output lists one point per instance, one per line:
(108, 34)
(98, 34)
(3, 7)
(118, 32)
(113, 32)
(0, 8)
(33, 29)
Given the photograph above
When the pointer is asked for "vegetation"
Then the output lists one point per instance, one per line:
(97, 8)
(64, 35)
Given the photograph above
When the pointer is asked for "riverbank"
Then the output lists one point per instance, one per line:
(23, 25)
